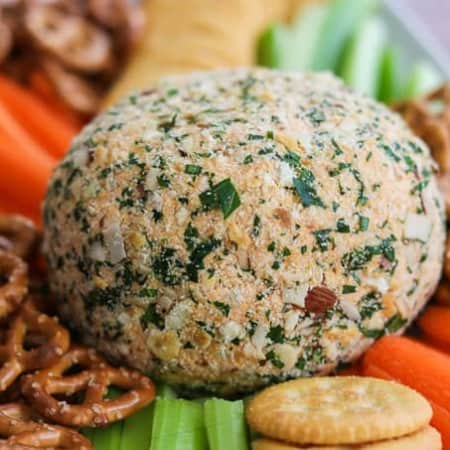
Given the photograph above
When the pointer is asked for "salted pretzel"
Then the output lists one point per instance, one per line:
(29, 327)
(13, 282)
(44, 390)
(24, 432)
(18, 235)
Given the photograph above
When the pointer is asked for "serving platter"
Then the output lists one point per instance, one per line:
(411, 34)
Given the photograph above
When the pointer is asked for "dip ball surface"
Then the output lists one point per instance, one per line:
(223, 231)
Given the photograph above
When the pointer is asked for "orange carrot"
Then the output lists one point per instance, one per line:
(435, 323)
(49, 130)
(17, 208)
(441, 421)
(443, 347)
(25, 166)
(43, 88)
(418, 366)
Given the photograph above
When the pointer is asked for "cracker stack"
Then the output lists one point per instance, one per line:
(342, 413)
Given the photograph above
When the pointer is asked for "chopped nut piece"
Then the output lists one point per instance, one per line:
(319, 300)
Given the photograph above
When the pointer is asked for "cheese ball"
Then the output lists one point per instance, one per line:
(226, 230)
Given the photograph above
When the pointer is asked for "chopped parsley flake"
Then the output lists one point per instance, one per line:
(168, 125)
(363, 223)
(276, 334)
(255, 137)
(256, 226)
(274, 359)
(304, 186)
(192, 169)
(223, 195)
(342, 227)
(323, 239)
(316, 116)
(152, 316)
(369, 304)
(223, 308)
(292, 158)
(198, 254)
(167, 266)
(395, 323)
(163, 180)
(348, 289)
(358, 258)
(148, 292)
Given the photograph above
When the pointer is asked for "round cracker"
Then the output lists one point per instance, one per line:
(337, 411)
(426, 439)
(269, 444)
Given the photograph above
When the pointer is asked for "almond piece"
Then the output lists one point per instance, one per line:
(319, 300)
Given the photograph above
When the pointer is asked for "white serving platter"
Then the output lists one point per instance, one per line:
(414, 38)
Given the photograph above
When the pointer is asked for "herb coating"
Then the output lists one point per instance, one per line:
(187, 225)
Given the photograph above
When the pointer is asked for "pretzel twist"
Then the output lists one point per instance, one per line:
(18, 235)
(49, 340)
(23, 432)
(13, 282)
(94, 379)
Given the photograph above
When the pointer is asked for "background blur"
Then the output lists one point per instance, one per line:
(436, 15)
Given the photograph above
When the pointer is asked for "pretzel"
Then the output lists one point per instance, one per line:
(94, 379)
(429, 118)
(18, 235)
(29, 326)
(13, 282)
(25, 433)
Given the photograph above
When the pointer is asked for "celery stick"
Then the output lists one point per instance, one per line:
(178, 425)
(137, 430)
(225, 425)
(423, 79)
(362, 63)
(108, 438)
(390, 78)
(273, 46)
(88, 433)
(165, 391)
(339, 25)
(294, 47)
(306, 32)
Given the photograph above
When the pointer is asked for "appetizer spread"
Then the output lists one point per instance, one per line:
(236, 231)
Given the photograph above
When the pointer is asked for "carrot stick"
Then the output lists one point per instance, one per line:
(52, 133)
(43, 88)
(375, 372)
(438, 345)
(435, 323)
(441, 421)
(16, 208)
(25, 167)
(418, 366)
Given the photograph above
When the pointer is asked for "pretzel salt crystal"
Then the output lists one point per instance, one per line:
(13, 282)
(51, 342)
(23, 432)
(41, 389)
